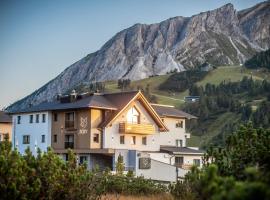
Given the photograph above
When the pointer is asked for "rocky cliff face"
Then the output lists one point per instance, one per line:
(219, 37)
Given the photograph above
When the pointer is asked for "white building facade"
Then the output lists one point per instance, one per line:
(31, 130)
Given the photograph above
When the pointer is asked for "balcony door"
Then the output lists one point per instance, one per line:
(133, 116)
(69, 120)
(69, 141)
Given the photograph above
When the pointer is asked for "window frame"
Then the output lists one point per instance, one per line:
(122, 139)
(180, 142)
(133, 140)
(26, 139)
(55, 117)
(31, 119)
(37, 118)
(96, 137)
(43, 118)
(55, 138)
(144, 140)
(19, 117)
(43, 138)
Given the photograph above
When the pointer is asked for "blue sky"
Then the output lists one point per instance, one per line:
(39, 39)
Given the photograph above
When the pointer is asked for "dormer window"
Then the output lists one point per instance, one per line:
(133, 116)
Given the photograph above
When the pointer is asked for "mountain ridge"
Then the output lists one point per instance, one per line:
(222, 36)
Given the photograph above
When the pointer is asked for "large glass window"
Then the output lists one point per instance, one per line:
(133, 116)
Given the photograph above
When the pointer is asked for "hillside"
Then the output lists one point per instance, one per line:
(261, 59)
(223, 36)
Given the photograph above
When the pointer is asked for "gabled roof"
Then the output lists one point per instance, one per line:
(123, 101)
(170, 111)
(180, 150)
(5, 118)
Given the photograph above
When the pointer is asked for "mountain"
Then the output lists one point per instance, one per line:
(222, 36)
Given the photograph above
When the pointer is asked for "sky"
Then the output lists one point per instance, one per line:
(40, 38)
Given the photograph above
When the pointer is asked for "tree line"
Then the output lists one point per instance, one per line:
(230, 97)
(261, 59)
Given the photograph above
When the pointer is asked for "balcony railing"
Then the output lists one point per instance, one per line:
(69, 124)
(69, 145)
(184, 166)
(145, 129)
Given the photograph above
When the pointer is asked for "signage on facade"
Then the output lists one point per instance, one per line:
(83, 125)
(144, 163)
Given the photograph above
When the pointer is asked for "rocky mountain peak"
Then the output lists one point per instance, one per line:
(222, 36)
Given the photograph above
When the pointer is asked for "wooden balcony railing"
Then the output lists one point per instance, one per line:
(69, 124)
(145, 129)
(184, 166)
(69, 145)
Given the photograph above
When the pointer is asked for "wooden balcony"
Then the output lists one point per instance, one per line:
(144, 129)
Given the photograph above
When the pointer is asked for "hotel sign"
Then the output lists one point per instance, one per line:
(83, 125)
(144, 163)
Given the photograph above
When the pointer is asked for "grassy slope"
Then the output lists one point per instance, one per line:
(232, 73)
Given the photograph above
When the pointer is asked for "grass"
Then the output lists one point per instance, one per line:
(216, 76)
(133, 197)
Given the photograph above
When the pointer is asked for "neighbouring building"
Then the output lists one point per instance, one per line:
(5, 126)
(99, 127)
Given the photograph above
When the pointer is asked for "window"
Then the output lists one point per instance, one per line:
(122, 139)
(37, 118)
(197, 162)
(54, 138)
(69, 120)
(18, 119)
(26, 139)
(133, 140)
(43, 118)
(144, 140)
(69, 141)
(42, 138)
(179, 124)
(55, 116)
(31, 119)
(179, 143)
(96, 138)
(83, 159)
(179, 161)
(133, 116)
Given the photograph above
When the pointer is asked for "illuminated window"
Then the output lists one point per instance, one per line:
(133, 116)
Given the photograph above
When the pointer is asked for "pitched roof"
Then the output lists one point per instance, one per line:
(120, 101)
(170, 111)
(180, 150)
(5, 118)
(92, 101)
